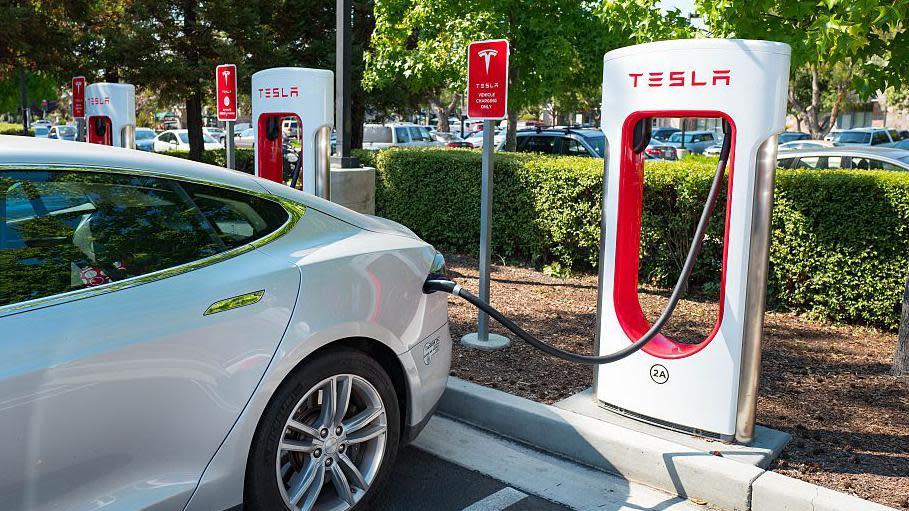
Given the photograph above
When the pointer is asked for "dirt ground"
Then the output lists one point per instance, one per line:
(827, 385)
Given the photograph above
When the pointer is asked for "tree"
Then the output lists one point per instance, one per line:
(837, 47)
(901, 358)
(556, 46)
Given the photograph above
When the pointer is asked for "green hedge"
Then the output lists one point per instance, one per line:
(840, 247)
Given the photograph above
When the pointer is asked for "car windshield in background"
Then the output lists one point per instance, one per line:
(145, 134)
(677, 137)
(41, 130)
(598, 143)
(66, 131)
(853, 137)
(184, 137)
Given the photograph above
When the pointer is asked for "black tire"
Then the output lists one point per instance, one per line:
(261, 491)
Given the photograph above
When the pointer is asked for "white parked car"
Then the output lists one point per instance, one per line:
(178, 140)
(399, 134)
(476, 138)
(804, 144)
(865, 137)
(180, 336)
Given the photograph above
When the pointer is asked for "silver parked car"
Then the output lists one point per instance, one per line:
(858, 158)
(179, 336)
(379, 136)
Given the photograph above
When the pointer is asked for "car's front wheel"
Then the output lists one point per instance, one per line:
(328, 437)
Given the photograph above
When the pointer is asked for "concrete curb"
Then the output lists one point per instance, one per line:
(637, 456)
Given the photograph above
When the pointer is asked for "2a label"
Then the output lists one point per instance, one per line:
(659, 374)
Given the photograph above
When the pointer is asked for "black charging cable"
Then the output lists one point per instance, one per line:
(434, 283)
(296, 172)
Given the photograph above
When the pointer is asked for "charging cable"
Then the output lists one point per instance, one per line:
(434, 283)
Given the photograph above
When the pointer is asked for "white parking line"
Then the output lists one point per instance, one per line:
(498, 501)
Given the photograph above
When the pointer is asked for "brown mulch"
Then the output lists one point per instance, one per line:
(826, 385)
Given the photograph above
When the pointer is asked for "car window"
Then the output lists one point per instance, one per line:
(144, 134)
(374, 134)
(419, 134)
(62, 231)
(598, 144)
(541, 144)
(821, 162)
(889, 166)
(852, 137)
(784, 163)
(866, 163)
(894, 135)
(879, 137)
(572, 147)
(402, 135)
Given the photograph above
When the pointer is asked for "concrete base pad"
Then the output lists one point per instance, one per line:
(354, 189)
(766, 446)
(495, 342)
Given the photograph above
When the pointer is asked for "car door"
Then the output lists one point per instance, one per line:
(137, 320)
(161, 142)
(402, 136)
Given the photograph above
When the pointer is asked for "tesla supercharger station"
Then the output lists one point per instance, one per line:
(308, 96)
(110, 112)
(708, 388)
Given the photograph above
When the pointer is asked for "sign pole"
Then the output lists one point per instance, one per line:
(485, 226)
(487, 98)
(229, 146)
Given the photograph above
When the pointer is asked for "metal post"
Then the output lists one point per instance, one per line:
(229, 146)
(80, 129)
(483, 339)
(343, 159)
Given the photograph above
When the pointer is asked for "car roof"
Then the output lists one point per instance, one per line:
(558, 132)
(866, 129)
(860, 151)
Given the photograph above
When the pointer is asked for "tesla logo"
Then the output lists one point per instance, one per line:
(98, 101)
(78, 85)
(226, 75)
(680, 78)
(279, 92)
(487, 55)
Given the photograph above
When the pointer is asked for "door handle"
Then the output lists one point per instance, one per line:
(235, 302)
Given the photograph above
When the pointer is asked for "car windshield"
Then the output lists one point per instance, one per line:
(662, 135)
(66, 131)
(598, 143)
(677, 137)
(41, 130)
(853, 137)
(184, 137)
(145, 134)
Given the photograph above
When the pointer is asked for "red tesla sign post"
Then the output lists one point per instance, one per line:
(487, 100)
(79, 105)
(226, 87)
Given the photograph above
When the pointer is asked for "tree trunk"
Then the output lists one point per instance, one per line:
(23, 92)
(194, 125)
(901, 358)
(443, 110)
(194, 101)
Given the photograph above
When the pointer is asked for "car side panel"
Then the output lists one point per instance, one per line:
(361, 285)
(121, 399)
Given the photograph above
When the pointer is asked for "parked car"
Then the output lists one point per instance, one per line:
(62, 132)
(215, 133)
(158, 344)
(791, 136)
(450, 139)
(832, 134)
(40, 131)
(568, 141)
(379, 136)
(694, 141)
(804, 144)
(245, 139)
(145, 139)
(42, 122)
(178, 140)
(714, 150)
(662, 134)
(865, 137)
(860, 158)
(476, 137)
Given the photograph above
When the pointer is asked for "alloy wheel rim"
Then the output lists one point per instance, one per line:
(332, 445)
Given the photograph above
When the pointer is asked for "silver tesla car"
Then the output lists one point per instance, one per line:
(179, 336)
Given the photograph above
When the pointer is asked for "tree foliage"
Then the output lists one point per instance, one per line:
(838, 46)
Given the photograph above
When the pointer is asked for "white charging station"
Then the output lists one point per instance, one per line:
(708, 388)
(110, 112)
(308, 96)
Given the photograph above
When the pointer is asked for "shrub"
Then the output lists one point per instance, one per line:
(840, 240)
